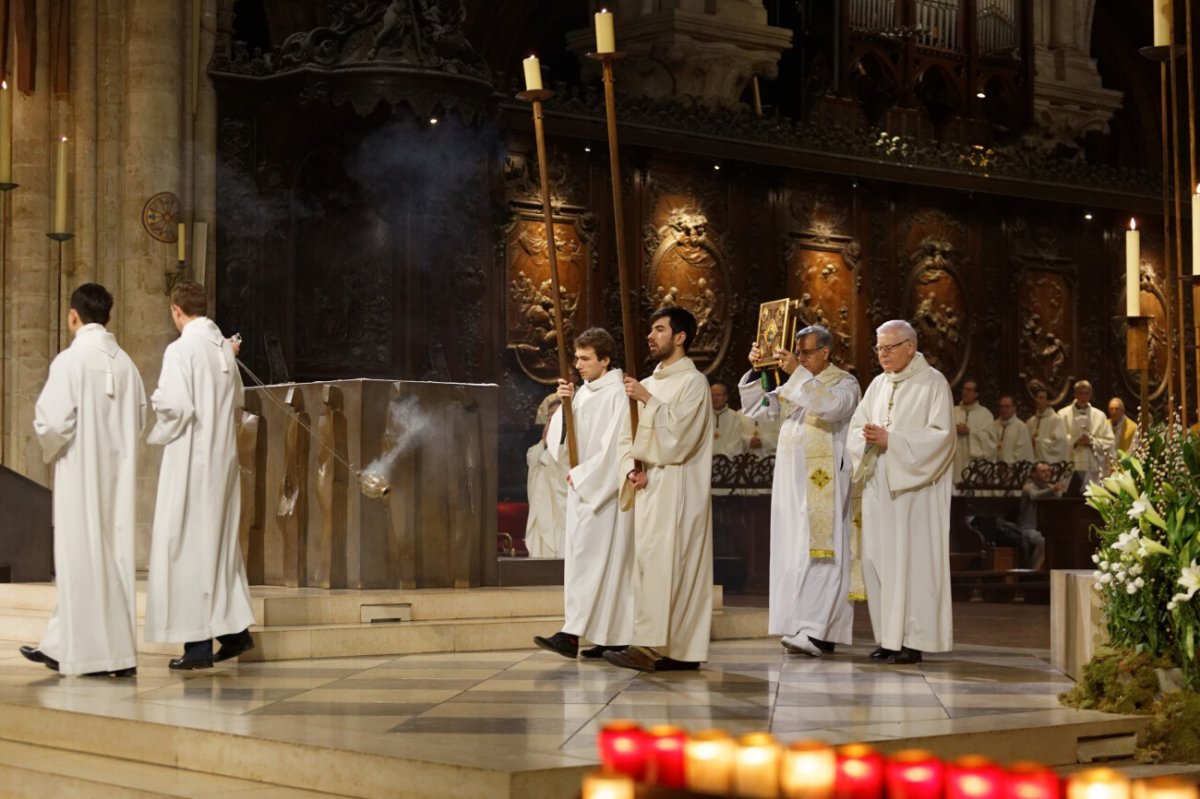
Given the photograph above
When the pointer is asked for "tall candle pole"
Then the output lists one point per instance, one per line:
(535, 94)
(1137, 341)
(606, 54)
(6, 186)
(59, 233)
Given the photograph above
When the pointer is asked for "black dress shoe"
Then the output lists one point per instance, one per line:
(560, 643)
(597, 652)
(905, 656)
(882, 654)
(825, 646)
(234, 645)
(129, 672)
(196, 655)
(38, 656)
(671, 664)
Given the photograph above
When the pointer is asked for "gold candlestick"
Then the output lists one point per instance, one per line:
(536, 96)
(628, 322)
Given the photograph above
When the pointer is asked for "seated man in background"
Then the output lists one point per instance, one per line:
(1038, 486)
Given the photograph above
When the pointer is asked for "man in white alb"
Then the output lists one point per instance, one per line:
(546, 494)
(1048, 431)
(973, 423)
(901, 442)
(811, 510)
(669, 483)
(1013, 442)
(731, 429)
(1089, 434)
(197, 585)
(598, 557)
(88, 420)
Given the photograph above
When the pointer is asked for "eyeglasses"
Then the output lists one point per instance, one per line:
(883, 349)
(810, 353)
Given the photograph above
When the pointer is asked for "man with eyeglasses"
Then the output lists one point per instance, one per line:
(901, 444)
(811, 511)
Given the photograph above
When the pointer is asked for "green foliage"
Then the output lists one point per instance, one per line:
(1173, 735)
(1116, 682)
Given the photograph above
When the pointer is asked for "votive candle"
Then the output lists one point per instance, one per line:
(666, 755)
(1028, 780)
(809, 770)
(756, 766)
(974, 777)
(859, 773)
(1165, 788)
(709, 762)
(623, 749)
(1098, 783)
(914, 774)
(607, 785)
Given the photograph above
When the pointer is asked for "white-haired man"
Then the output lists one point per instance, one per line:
(901, 443)
(811, 512)
(1089, 434)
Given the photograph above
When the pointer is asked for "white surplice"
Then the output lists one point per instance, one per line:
(980, 442)
(197, 585)
(673, 571)
(906, 506)
(546, 492)
(808, 595)
(731, 432)
(88, 420)
(1013, 442)
(598, 561)
(1092, 460)
(1049, 437)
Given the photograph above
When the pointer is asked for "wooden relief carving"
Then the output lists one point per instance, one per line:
(1047, 320)
(530, 307)
(935, 299)
(687, 269)
(822, 279)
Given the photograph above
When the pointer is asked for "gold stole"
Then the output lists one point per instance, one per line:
(821, 492)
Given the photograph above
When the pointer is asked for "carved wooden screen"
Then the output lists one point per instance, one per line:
(935, 246)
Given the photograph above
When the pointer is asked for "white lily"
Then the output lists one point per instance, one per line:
(1125, 482)
(1142, 507)
(1097, 495)
(1152, 547)
(1189, 578)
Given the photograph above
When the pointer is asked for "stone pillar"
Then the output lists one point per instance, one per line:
(1068, 99)
(155, 93)
(706, 50)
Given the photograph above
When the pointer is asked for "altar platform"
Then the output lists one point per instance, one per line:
(514, 722)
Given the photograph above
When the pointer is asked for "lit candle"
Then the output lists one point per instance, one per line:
(914, 774)
(1026, 780)
(666, 755)
(623, 749)
(1196, 231)
(1165, 788)
(60, 189)
(809, 769)
(1162, 23)
(182, 243)
(606, 785)
(859, 773)
(756, 766)
(1098, 783)
(974, 777)
(5, 133)
(1133, 258)
(606, 40)
(709, 762)
(533, 74)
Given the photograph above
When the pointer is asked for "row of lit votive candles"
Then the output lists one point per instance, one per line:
(755, 765)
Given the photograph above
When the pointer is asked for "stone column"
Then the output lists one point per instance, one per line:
(706, 50)
(1068, 99)
(155, 92)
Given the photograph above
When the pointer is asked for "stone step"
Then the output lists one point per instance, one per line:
(35, 772)
(318, 624)
(305, 770)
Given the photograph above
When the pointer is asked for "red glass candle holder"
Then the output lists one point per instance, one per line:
(859, 773)
(666, 756)
(623, 749)
(1028, 780)
(974, 777)
(914, 774)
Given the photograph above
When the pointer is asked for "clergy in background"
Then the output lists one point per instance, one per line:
(668, 480)
(811, 511)
(598, 557)
(1048, 431)
(88, 420)
(973, 424)
(731, 428)
(1013, 442)
(197, 585)
(546, 493)
(901, 443)
(1089, 435)
(1124, 429)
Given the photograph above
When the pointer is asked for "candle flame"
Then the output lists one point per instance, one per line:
(4, 85)
(1132, 223)
(64, 138)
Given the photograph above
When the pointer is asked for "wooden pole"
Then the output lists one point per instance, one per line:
(628, 321)
(1175, 270)
(536, 96)
(1190, 45)
(1166, 198)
